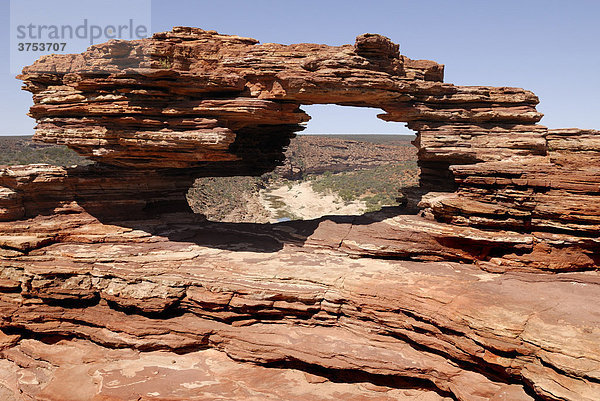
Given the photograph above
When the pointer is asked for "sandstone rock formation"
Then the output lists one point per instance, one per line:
(483, 287)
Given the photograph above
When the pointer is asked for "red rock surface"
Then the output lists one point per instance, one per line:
(123, 374)
(284, 295)
(487, 290)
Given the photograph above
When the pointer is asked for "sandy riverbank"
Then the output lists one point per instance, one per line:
(300, 201)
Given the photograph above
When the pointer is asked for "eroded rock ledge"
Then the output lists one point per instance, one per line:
(483, 287)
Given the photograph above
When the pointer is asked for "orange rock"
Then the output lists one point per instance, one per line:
(485, 289)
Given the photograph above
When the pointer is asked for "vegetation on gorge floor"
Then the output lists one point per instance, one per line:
(377, 187)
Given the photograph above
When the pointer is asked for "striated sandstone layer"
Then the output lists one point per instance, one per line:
(287, 296)
(484, 286)
(201, 104)
(198, 375)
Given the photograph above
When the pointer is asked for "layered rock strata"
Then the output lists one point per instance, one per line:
(28, 191)
(190, 96)
(211, 104)
(287, 296)
(484, 291)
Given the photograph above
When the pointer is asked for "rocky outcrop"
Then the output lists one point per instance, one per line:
(553, 198)
(28, 191)
(287, 296)
(483, 287)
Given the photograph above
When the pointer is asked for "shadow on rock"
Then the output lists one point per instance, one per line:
(248, 237)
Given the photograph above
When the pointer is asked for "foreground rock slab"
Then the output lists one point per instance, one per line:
(81, 370)
(275, 298)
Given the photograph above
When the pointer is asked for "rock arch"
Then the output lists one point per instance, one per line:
(199, 100)
(188, 97)
(87, 252)
(189, 103)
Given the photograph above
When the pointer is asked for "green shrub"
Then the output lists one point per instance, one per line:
(377, 186)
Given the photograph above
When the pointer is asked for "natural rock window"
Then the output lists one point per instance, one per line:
(324, 172)
(485, 287)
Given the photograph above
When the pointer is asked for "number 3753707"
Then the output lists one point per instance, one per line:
(41, 46)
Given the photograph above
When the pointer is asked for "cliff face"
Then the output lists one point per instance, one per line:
(483, 287)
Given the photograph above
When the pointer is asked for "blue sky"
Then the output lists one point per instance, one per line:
(549, 47)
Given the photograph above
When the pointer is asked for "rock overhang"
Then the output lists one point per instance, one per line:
(183, 98)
